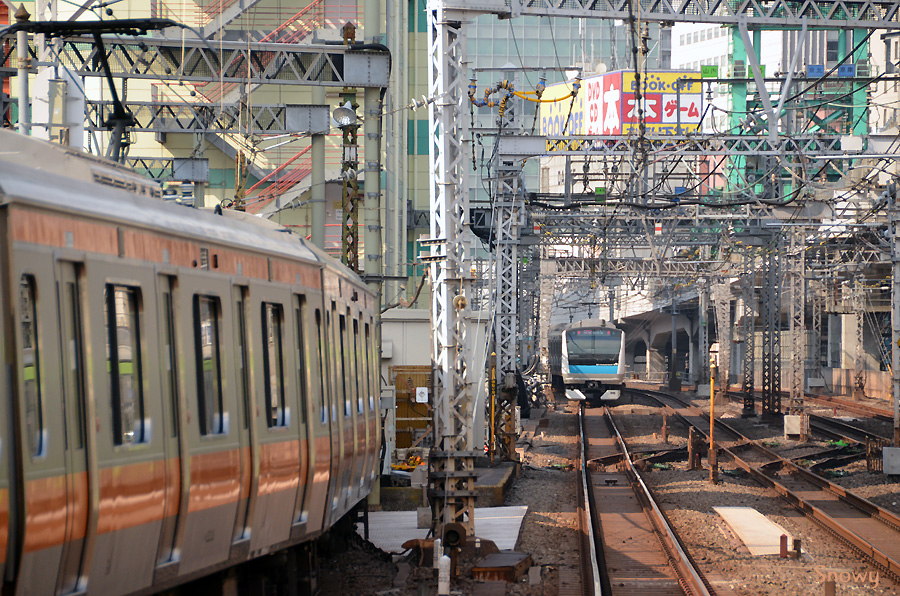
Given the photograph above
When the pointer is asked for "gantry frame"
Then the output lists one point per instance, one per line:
(452, 499)
(198, 61)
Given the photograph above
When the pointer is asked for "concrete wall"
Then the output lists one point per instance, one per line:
(406, 341)
(878, 383)
(405, 338)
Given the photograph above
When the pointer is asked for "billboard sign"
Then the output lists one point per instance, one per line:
(610, 107)
(565, 117)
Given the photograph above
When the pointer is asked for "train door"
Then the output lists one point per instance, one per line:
(77, 485)
(176, 468)
(335, 404)
(305, 405)
(371, 386)
(249, 448)
(345, 415)
(359, 426)
(42, 506)
(320, 423)
(277, 425)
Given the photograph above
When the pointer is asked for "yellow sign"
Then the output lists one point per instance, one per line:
(607, 105)
(564, 117)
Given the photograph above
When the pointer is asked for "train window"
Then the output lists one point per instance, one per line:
(322, 402)
(123, 353)
(273, 371)
(209, 365)
(344, 378)
(171, 362)
(360, 375)
(31, 366)
(593, 346)
(302, 360)
(76, 361)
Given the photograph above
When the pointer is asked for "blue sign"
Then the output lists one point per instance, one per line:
(847, 70)
(815, 70)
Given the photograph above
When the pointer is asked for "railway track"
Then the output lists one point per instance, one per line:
(883, 414)
(831, 428)
(838, 429)
(626, 522)
(870, 530)
(850, 406)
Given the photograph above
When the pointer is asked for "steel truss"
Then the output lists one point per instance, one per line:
(508, 217)
(158, 168)
(703, 373)
(529, 306)
(748, 305)
(721, 296)
(810, 146)
(859, 374)
(452, 461)
(196, 61)
(642, 267)
(817, 307)
(859, 14)
(626, 221)
(449, 201)
(771, 334)
(175, 117)
(796, 279)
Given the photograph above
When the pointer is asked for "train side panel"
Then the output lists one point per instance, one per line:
(373, 395)
(213, 443)
(278, 418)
(175, 406)
(323, 456)
(310, 501)
(7, 345)
(41, 474)
(128, 425)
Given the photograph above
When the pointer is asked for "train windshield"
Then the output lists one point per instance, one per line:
(593, 346)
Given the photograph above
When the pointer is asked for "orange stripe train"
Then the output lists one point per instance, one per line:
(184, 391)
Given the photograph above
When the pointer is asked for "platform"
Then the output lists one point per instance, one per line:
(761, 535)
(388, 530)
(491, 486)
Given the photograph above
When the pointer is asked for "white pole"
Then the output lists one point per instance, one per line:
(22, 72)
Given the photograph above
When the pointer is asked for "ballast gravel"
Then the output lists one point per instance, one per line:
(549, 532)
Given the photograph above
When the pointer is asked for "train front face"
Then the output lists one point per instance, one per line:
(592, 363)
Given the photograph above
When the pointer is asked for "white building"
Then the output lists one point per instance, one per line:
(696, 45)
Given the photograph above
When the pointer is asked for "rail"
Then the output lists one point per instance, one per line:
(591, 581)
(598, 579)
(835, 498)
(689, 578)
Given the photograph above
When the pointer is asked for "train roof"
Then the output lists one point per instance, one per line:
(48, 175)
(593, 323)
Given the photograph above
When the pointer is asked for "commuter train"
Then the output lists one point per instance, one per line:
(587, 360)
(184, 391)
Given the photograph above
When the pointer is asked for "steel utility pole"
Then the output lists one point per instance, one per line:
(895, 311)
(452, 461)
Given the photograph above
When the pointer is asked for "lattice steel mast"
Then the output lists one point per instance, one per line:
(452, 461)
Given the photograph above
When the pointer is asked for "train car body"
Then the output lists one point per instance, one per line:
(183, 391)
(587, 360)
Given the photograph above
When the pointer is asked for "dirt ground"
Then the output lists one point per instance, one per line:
(546, 484)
